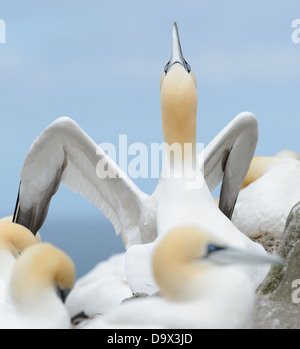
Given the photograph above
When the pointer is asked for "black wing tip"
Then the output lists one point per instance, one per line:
(17, 207)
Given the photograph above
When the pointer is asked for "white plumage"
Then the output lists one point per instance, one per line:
(197, 290)
(226, 307)
(264, 205)
(101, 290)
(179, 206)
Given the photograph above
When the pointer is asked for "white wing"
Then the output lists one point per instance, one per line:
(227, 158)
(64, 153)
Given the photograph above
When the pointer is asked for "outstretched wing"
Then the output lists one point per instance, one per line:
(227, 158)
(64, 153)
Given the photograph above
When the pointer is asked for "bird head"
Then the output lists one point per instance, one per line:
(178, 97)
(187, 262)
(41, 269)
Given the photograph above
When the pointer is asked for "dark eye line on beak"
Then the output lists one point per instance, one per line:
(186, 66)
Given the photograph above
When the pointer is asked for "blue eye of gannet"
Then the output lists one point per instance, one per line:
(188, 67)
(213, 248)
(166, 67)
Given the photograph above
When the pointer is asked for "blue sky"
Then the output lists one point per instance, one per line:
(99, 62)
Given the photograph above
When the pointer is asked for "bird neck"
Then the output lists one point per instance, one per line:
(179, 125)
(179, 114)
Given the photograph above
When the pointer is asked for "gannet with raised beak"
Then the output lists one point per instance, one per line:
(201, 284)
(40, 282)
(270, 190)
(64, 153)
(185, 197)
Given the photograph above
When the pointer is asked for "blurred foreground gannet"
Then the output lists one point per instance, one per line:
(14, 239)
(65, 153)
(101, 290)
(270, 190)
(200, 283)
(41, 279)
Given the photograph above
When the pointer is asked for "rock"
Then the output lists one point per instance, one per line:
(268, 241)
(278, 283)
(269, 314)
(278, 301)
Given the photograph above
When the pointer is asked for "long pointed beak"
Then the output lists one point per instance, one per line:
(232, 255)
(177, 56)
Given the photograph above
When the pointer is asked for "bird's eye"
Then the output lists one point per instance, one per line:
(166, 68)
(188, 67)
(213, 248)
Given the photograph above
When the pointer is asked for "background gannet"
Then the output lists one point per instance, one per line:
(287, 153)
(271, 190)
(14, 239)
(200, 286)
(41, 279)
(101, 290)
(8, 219)
(64, 153)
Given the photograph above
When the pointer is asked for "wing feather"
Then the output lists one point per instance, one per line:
(63, 153)
(227, 158)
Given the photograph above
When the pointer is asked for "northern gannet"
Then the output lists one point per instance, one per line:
(270, 190)
(200, 283)
(185, 195)
(41, 279)
(14, 239)
(65, 153)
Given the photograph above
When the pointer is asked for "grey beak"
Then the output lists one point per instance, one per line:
(63, 294)
(231, 255)
(177, 56)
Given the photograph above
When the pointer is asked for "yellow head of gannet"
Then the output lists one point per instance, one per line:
(15, 238)
(261, 164)
(178, 97)
(186, 262)
(288, 154)
(41, 270)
